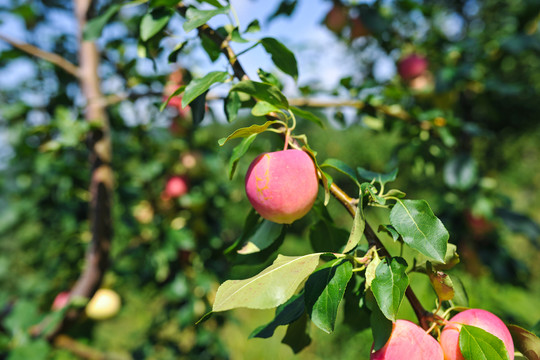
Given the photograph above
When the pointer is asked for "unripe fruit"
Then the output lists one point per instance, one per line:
(474, 317)
(60, 301)
(336, 19)
(176, 187)
(409, 341)
(282, 186)
(412, 66)
(104, 304)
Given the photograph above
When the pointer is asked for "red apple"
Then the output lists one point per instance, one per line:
(357, 28)
(474, 317)
(60, 301)
(409, 341)
(336, 19)
(412, 66)
(282, 186)
(176, 186)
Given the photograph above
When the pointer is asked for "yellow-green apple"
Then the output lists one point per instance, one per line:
(412, 66)
(104, 304)
(409, 341)
(474, 317)
(282, 185)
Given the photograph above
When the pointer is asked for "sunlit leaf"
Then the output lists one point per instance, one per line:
(478, 344)
(247, 131)
(420, 228)
(268, 289)
(197, 87)
(153, 22)
(196, 17)
(389, 285)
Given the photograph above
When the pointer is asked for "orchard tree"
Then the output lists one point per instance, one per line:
(167, 234)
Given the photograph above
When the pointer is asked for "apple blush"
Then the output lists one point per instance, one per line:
(282, 186)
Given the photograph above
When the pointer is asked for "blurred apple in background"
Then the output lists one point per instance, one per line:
(60, 301)
(104, 304)
(357, 28)
(412, 66)
(176, 186)
(336, 19)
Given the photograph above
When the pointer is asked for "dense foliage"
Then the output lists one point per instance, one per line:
(440, 104)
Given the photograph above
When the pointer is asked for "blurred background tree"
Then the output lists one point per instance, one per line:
(463, 132)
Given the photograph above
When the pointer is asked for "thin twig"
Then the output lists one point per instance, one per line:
(45, 55)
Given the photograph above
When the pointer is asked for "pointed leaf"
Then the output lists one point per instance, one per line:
(308, 115)
(282, 57)
(478, 344)
(93, 28)
(381, 178)
(153, 22)
(175, 93)
(198, 108)
(263, 108)
(247, 131)
(296, 336)
(253, 27)
(441, 282)
(324, 290)
(232, 105)
(267, 232)
(196, 17)
(270, 288)
(389, 286)
(390, 230)
(358, 227)
(285, 314)
(381, 327)
(420, 228)
(526, 342)
(341, 167)
(197, 87)
(262, 91)
(239, 151)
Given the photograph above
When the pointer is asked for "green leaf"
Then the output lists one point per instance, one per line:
(526, 342)
(232, 105)
(341, 167)
(247, 131)
(390, 230)
(381, 327)
(285, 314)
(461, 172)
(153, 22)
(197, 87)
(389, 285)
(239, 151)
(215, 3)
(460, 294)
(286, 7)
(324, 236)
(196, 17)
(212, 49)
(262, 91)
(269, 78)
(478, 344)
(308, 115)
(297, 336)
(358, 227)
(381, 178)
(270, 288)
(263, 108)
(282, 57)
(36, 350)
(267, 232)
(93, 28)
(198, 108)
(324, 290)
(236, 36)
(420, 228)
(253, 27)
